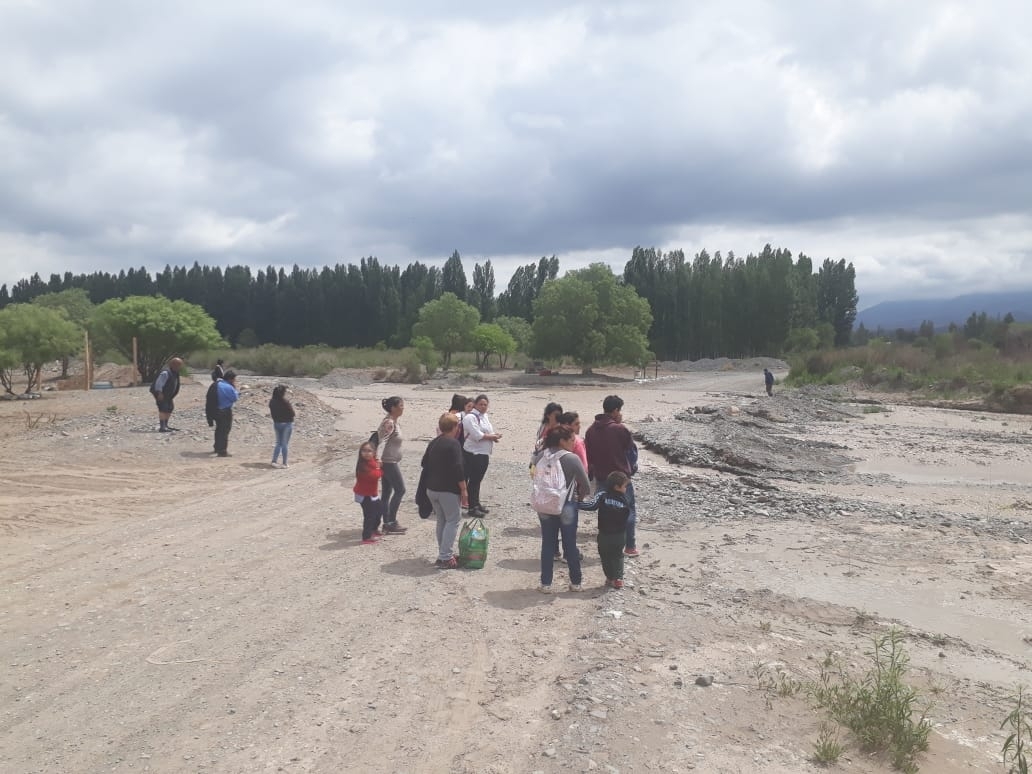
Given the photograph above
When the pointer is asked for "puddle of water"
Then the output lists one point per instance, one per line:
(956, 473)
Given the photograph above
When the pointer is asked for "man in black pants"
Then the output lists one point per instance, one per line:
(227, 395)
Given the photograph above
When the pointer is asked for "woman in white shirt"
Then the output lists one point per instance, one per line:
(476, 451)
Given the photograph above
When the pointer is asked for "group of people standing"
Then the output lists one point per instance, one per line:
(607, 455)
(455, 464)
(218, 407)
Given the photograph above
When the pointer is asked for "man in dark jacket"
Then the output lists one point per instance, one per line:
(768, 381)
(219, 371)
(164, 389)
(609, 447)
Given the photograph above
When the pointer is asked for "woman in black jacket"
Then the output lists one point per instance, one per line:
(283, 422)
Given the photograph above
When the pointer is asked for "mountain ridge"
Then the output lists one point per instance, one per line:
(909, 314)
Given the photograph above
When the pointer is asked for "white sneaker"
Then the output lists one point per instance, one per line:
(576, 587)
(545, 589)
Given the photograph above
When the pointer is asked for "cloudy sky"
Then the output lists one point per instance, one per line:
(895, 135)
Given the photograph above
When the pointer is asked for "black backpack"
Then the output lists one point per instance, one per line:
(211, 403)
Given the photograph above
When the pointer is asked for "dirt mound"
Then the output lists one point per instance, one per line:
(759, 438)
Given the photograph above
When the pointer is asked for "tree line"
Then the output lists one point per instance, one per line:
(705, 307)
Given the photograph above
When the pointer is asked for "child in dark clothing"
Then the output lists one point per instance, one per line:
(613, 512)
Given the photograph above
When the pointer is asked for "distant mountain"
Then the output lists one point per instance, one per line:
(891, 315)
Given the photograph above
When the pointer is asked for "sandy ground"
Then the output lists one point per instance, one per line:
(167, 611)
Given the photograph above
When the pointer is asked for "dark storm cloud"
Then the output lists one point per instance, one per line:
(145, 133)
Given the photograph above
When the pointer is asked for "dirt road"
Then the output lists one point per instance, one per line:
(167, 611)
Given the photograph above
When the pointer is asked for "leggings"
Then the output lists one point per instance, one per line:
(476, 469)
(393, 490)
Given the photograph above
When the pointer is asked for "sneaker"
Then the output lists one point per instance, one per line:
(616, 584)
(576, 587)
(558, 558)
(394, 529)
(377, 534)
(631, 552)
(224, 454)
(545, 589)
(447, 564)
(480, 509)
(164, 430)
(370, 542)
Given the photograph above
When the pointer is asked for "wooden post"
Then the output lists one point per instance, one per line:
(86, 361)
(136, 364)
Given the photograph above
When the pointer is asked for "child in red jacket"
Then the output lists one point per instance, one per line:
(367, 493)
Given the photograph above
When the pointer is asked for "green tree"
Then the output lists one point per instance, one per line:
(448, 323)
(163, 329)
(33, 335)
(837, 298)
(77, 307)
(8, 362)
(482, 294)
(519, 329)
(453, 277)
(592, 317)
(491, 339)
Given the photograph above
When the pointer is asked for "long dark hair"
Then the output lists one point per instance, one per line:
(361, 465)
(279, 392)
(458, 402)
(550, 409)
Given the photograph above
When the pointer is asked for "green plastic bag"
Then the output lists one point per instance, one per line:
(473, 539)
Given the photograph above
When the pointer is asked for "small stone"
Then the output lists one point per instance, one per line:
(550, 752)
(704, 680)
(678, 682)
(942, 654)
(556, 714)
(538, 653)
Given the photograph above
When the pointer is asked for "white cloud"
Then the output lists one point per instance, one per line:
(891, 135)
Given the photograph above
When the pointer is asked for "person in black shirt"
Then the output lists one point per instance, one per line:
(613, 512)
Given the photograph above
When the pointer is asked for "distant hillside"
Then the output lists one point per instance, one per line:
(942, 311)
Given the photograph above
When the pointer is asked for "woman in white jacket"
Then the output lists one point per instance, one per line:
(476, 451)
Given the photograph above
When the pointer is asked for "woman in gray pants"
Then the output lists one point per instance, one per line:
(445, 481)
(390, 458)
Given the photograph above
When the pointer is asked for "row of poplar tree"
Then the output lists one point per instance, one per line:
(705, 307)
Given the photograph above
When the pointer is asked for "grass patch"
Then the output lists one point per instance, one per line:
(957, 370)
(311, 361)
(879, 708)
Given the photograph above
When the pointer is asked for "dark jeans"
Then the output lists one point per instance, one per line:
(551, 528)
(476, 469)
(610, 551)
(393, 490)
(223, 424)
(632, 520)
(372, 512)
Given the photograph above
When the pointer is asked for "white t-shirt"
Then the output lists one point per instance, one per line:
(476, 426)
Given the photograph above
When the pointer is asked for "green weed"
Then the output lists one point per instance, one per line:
(827, 749)
(1015, 754)
(879, 708)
